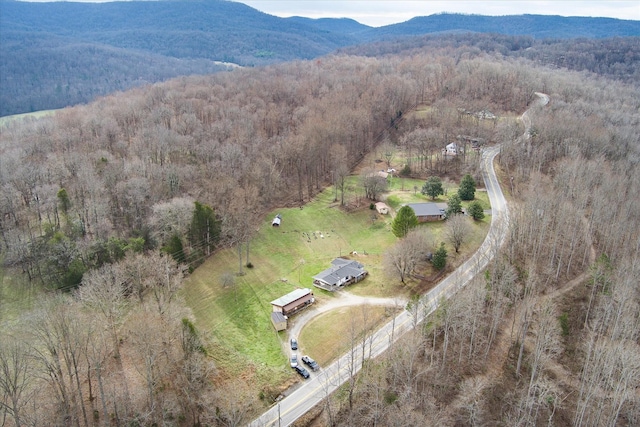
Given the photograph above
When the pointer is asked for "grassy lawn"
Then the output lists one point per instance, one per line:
(328, 336)
(237, 318)
(284, 258)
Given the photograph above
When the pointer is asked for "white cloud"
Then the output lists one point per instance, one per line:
(378, 13)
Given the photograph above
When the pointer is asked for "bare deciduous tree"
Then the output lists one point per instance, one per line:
(402, 258)
(16, 376)
(373, 183)
(457, 230)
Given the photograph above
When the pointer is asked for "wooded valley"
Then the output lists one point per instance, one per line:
(108, 206)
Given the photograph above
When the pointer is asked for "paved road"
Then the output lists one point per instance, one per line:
(324, 382)
(542, 100)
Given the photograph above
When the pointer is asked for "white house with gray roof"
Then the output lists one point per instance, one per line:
(342, 272)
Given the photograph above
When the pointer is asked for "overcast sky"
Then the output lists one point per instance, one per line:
(377, 13)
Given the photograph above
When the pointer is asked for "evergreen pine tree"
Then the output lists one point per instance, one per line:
(454, 205)
(404, 221)
(439, 259)
(433, 187)
(467, 190)
(475, 210)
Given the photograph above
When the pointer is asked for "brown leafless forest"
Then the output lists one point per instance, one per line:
(94, 198)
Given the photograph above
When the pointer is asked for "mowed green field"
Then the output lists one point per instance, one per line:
(284, 258)
(237, 318)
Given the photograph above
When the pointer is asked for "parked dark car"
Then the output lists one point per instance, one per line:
(294, 344)
(310, 362)
(302, 371)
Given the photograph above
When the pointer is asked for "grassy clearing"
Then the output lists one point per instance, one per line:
(329, 335)
(16, 295)
(284, 258)
(4, 121)
(287, 257)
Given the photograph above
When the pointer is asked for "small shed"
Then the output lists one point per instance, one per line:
(453, 149)
(382, 208)
(279, 321)
(293, 301)
(276, 221)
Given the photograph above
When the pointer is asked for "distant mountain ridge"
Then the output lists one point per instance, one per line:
(60, 53)
(537, 26)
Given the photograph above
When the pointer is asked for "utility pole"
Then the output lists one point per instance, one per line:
(208, 245)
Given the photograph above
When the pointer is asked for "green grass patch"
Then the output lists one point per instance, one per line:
(285, 258)
(332, 334)
(6, 120)
(237, 318)
(16, 295)
(480, 196)
(422, 111)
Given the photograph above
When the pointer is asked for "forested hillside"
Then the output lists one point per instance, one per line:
(109, 205)
(63, 53)
(55, 72)
(615, 58)
(537, 26)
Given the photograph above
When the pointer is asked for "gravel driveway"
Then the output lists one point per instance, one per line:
(343, 299)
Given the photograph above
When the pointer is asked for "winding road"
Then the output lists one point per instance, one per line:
(327, 380)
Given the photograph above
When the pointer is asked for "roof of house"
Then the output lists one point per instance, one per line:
(291, 297)
(341, 268)
(426, 209)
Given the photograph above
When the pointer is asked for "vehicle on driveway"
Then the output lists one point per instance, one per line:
(294, 360)
(311, 363)
(302, 371)
(294, 344)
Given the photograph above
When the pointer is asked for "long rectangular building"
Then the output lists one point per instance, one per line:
(293, 301)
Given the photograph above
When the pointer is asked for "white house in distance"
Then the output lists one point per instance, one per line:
(452, 149)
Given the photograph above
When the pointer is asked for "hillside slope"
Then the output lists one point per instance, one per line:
(63, 53)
